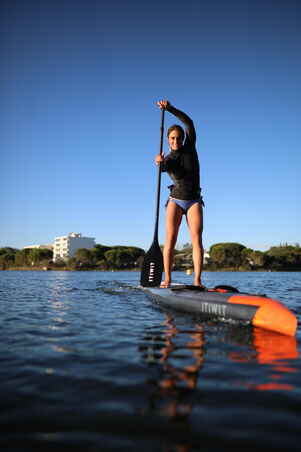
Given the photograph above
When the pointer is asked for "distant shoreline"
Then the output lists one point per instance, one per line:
(139, 270)
(223, 257)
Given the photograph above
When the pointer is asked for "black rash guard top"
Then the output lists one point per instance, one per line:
(183, 165)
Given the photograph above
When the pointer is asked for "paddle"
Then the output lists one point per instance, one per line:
(152, 267)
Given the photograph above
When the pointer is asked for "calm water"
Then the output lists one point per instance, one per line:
(90, 363)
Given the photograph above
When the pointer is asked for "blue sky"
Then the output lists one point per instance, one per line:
(80, 127)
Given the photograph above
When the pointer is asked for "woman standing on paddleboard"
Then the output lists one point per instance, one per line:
(182, 165)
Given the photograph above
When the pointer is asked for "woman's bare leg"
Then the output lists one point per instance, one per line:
(195, 224)
(173, 220)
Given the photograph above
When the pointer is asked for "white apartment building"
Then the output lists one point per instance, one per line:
(66, 246)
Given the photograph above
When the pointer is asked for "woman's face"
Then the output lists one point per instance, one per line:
(175, 140)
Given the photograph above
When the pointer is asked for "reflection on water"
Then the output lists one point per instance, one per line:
(276, 351)
(279, 352)
(176, 358)
(179, 356)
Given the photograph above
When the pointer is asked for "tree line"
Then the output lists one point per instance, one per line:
(100, 257)
(235, 256)
(223, 256)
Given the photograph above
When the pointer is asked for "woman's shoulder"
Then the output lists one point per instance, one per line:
(189, 146)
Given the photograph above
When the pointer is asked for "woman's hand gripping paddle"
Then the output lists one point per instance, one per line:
(152, 268)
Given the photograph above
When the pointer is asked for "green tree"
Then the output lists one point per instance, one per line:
(22, 258)
(99, 252)
(223, 255)
(34, 256)
(29, 257)
(59, 263)
(135, 253)
(121, 257)
(7, 259)
(284, 257)
(37, 256)
(103, 265)
(85, 257)
(253, 259)
(117, 258)
(8, 250)
(72, 263)
(45, 254)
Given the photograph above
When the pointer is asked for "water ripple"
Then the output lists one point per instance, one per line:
(88, 359)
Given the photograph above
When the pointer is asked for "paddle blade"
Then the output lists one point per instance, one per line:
(152, 268)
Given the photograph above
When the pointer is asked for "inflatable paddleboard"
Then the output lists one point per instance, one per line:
(227, 303)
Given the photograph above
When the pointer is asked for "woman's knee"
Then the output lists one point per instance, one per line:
(196, 237)
(171, 240)
(172, 232)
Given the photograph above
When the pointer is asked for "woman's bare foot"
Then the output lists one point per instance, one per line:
(165, 284)
(199, 284)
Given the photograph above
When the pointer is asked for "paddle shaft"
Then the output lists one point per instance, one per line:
(159, 179)
(152, 267)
